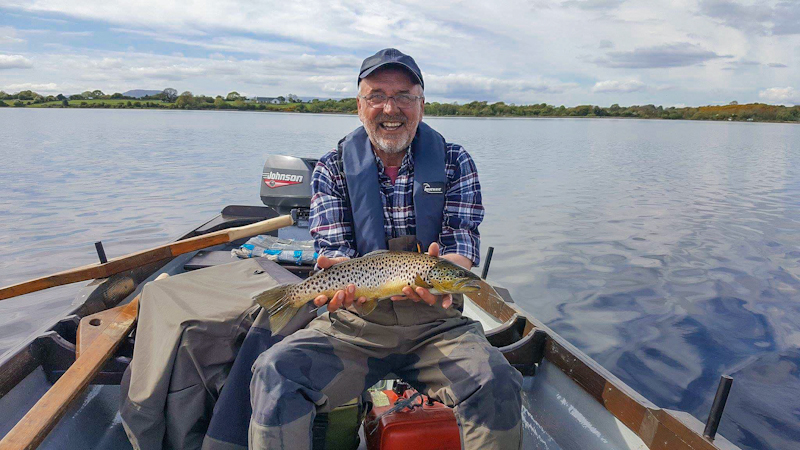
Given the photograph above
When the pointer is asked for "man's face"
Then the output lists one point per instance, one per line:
(390, 128)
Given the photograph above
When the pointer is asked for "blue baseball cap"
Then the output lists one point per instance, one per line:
(390, 56)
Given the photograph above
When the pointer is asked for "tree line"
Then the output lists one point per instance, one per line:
(732, 111)
(170, 99)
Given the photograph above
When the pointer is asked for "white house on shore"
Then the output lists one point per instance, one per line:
(272, 100)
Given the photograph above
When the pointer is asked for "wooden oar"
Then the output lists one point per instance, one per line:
(31, 430)
(128, 262)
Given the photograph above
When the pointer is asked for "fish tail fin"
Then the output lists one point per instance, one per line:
(279, 319)
(276, 301)
(273, 297)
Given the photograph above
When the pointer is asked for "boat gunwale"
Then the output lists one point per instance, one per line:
(658, 428)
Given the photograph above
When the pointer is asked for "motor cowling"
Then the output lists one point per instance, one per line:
(286, 183)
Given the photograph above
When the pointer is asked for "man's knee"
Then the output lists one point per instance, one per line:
(496, 403)
(269, 371)
(288, 380)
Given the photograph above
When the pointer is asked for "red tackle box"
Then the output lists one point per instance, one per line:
(426, 426)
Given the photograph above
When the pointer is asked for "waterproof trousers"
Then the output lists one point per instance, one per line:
(339, 355)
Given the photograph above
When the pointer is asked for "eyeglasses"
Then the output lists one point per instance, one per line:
(402, 100)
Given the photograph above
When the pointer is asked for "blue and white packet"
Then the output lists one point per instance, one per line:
(279, 250)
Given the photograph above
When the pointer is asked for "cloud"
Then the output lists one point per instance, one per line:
(593, 5)
(15, 62)
(121, 71)
(41, 88)
(742, 64)
(783, 96)
(749, 18)
(624, 86)
(333, 84)
(236, 44)
(764, 19)
(43, 19)
(8, 35)
(605, 43)
(350, 25)
(659, 56)
(787, 18)
(475, 86)
(75, 33)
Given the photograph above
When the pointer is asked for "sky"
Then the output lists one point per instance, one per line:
(565, 52)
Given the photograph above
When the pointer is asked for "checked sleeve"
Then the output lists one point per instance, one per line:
(463, 208)
(330, 220)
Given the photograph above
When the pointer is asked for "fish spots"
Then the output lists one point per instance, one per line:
(376, 275)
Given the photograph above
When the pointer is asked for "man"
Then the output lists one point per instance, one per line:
(392, 182)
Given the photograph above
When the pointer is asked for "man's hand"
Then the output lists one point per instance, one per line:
(417, 293)
(343, 298)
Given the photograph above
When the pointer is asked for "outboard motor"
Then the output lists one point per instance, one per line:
(286, 188)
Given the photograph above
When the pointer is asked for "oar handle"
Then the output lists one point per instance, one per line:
(262, 227)
(134, 260)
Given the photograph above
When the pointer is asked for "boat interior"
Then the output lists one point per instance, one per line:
(570, 402)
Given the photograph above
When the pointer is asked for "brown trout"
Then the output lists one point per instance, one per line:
(377, 275)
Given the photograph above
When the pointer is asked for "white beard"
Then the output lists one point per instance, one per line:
(390, 147)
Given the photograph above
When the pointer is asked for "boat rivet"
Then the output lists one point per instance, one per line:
(95, 322)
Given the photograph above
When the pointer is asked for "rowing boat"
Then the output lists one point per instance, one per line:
(569, 400)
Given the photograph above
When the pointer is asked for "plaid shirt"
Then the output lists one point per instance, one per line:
(331, 219)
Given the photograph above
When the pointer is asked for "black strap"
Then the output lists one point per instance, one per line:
(399, 405)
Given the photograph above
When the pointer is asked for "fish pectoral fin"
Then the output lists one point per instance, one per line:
(421, 283)
(368, 306)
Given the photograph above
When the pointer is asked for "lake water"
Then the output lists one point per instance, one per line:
(667, 251)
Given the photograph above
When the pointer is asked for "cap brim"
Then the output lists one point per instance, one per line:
(408, 68)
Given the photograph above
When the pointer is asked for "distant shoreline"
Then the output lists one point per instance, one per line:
(754, 112)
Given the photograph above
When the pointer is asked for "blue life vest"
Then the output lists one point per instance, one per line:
(361, 175)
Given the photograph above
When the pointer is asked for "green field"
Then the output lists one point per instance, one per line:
(75, 103)
(114, 103)
(94, 103)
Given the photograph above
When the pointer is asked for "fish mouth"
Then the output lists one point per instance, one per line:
(469, 285)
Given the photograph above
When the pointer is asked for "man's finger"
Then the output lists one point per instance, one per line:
(426, 296)
(336, 301)
(433, 249)
(447, 301)
(411, 294)
(349, 295)
(320, 300)
(324, 262)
